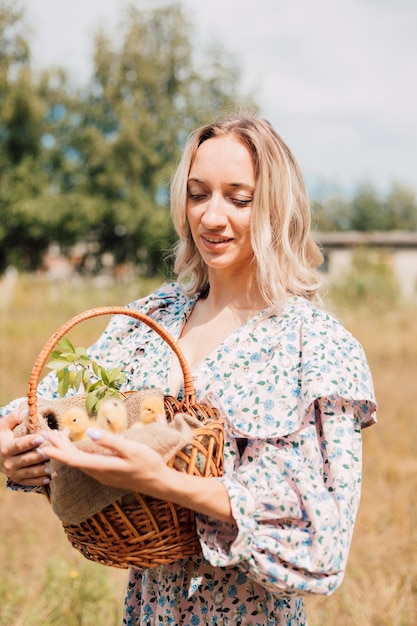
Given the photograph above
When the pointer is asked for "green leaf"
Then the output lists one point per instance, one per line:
(65, 345)
(114, 393)
(84, 360)
(73, 368)
(81, 352)
(55, 354)
(116, 375)
(78, 379)
(103, 375)
(60, 373)
(57, 364)
(86, 378)
(91, 403)
(96, 368)
(94, 386)
(63, 386)
(71, 378)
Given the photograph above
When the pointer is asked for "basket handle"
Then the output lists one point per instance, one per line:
(189, 391)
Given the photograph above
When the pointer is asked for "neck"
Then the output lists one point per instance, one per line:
(238, 293)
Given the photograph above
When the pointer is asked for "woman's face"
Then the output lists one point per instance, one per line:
(221, 185)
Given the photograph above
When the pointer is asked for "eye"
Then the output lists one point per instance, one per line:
(240, 202)
(196, 191)
(196, 197)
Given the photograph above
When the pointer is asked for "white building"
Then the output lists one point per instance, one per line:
(399, 246)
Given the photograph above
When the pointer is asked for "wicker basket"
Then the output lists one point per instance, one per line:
(140, 531)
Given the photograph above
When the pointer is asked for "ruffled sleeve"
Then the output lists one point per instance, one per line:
(294, 501)
(280, 366)
(297, 387)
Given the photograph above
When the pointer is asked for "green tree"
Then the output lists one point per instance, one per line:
(147, 93)
(368, 210)
(102, 156)
(21, 118)
(20, 111)
(14, 48)
(401, 208)
(332, 214)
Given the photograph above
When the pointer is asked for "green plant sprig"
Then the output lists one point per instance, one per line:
(74, 368)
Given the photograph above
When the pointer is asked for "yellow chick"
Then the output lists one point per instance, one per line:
(112, 416)
(152, 410)
(76, 420)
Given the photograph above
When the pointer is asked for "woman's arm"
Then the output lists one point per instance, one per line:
(285, 516)
(294, 502)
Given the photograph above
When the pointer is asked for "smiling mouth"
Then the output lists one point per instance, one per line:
(216, 239)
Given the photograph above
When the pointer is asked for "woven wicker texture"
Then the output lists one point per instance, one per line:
(140, 531)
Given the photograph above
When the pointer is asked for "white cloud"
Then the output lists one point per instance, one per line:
(336, 78)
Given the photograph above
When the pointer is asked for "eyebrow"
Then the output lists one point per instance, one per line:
(234, 185)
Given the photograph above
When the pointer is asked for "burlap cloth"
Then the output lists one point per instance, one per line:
(75, 496)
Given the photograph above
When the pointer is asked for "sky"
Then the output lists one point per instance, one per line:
(336, 78)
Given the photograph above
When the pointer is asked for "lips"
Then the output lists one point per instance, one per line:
(215, 240)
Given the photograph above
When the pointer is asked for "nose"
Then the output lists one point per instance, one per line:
(214, 215)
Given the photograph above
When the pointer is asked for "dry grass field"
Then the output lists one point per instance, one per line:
(380, 588)
(44, 582)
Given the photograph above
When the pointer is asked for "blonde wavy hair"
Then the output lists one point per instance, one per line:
(286, 256)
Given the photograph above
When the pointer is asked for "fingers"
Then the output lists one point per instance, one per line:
(132, 465)
(59, 447)
(20, 458)
(8, 422)
(33, 476)
(11, 445)
(111, 441)
(23, 463)
(14, 447)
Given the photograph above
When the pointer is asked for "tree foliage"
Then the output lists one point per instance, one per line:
(367, 210)
(93, 164)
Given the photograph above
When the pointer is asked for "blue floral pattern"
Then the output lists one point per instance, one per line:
(297, 388)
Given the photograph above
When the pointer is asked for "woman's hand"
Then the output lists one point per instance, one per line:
(137, 467)
(21, 459)
(131, 465)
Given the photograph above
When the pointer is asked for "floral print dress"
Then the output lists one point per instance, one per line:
(296, 388)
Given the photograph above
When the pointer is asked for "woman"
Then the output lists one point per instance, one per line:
(292, 383)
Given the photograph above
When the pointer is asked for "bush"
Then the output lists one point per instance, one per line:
(369, 282)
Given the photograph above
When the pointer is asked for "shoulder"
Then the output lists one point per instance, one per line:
(166, 304)
(300, 321)
(166, 295)
(300, 311)
(328, 359)
(331, 360)
(298, 355)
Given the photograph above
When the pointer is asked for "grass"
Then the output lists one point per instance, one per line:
(45, 582)
(380, 588)
(38, 308)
